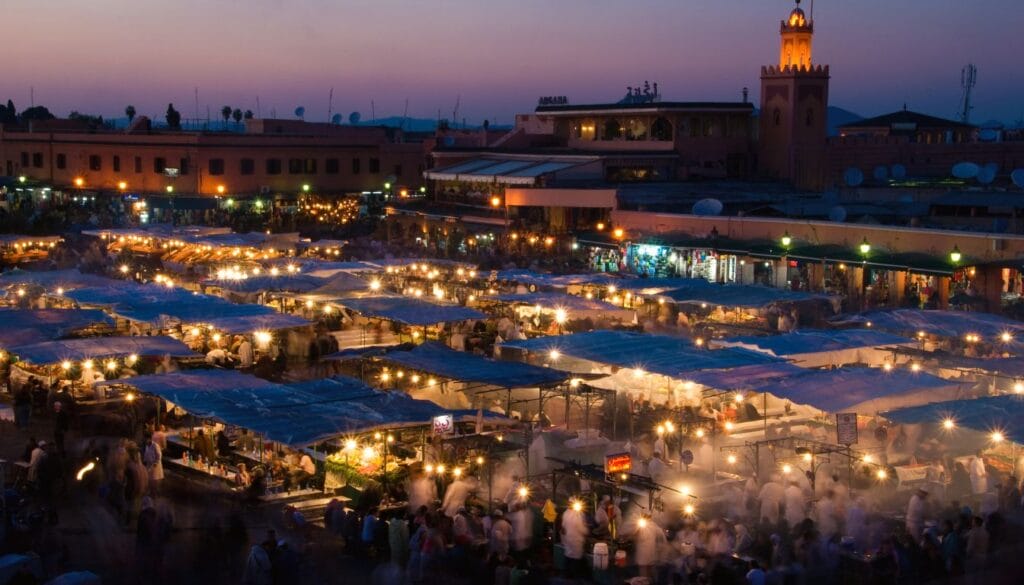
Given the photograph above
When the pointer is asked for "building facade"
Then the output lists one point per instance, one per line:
(271, 156)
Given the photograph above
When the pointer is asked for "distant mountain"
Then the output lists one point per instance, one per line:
(837, 117)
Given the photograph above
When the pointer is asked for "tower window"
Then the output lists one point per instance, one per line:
(777, 117)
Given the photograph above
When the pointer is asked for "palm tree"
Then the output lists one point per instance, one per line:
(130, 112)
(226, 113)
(236, 115)
(248, 115)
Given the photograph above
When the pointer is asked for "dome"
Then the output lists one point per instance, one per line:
(797, 18)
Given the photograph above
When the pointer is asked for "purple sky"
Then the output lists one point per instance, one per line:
(499, 55)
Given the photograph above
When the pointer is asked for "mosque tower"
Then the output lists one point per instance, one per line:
(794, 108)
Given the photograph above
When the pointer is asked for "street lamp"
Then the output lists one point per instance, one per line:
(955, 255)
(786, 240)
(305, 187)
(495, 201)
(865, 247)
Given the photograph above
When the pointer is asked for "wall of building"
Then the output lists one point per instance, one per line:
(976, 247)
(349, 160)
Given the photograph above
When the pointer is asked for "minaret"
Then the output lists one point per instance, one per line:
(794, 108)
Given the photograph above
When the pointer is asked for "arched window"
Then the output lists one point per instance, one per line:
(612, 130)
(661, 129)
(777, 116)
(810, 117)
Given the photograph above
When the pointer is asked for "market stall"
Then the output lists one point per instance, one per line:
(823, 348)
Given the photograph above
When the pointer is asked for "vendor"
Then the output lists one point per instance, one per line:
(305, 471)
(245, 442)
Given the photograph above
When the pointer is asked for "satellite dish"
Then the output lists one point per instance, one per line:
(708, 207)
(988, 135)
(353, 118)
(300, 111)
(986, 175)
(1017, 176)
(853, 177)
(336, 119)
(898, 171)
(880, 173)
(837, 214)
(965, 170)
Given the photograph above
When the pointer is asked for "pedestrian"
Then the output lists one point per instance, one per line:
(152, 458)
(977, 546)
(22, 407)
(61, 424)
(258, 569)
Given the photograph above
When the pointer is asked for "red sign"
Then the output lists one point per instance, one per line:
(620, 463)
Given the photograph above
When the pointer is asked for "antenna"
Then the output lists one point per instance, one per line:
(259, 114)
(455, 110)
(968, 79)
(31, 96)
(196, 95)
(405, 115)
(373, 112)
(330, 103)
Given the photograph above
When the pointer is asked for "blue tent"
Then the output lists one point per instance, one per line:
(816, 341)
(745, 377)
(53, 279)
(459, 365)
(736, 295)
(551, 301)
(22, 327)
(942, 323)
(51, 352)
(859, 389)
(409, 311)
(669, 356)
(298, 414)
(280, 283)
(990, 413)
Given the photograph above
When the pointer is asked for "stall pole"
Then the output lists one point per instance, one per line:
(615, 416)
(764, 412)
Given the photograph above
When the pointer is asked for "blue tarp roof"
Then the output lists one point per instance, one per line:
(553, 280)
(338, 286)
(871, 389)
(552, 300)
(986, 414)
(942, 323)
(409, 311)
(744, 377)
(282, 283)
(736, 295)
(660, 354)
(814, 341)
(51, 352)
(457, 365)
(297, 414)
(52, 279)
(153, 303)
(22, 327)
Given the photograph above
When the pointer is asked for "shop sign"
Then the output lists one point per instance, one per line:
(618, 463)
(444, 424)
(846, 428)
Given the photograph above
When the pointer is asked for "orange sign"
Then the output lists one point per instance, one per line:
(620, 463)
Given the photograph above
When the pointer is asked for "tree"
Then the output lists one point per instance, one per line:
(236, 115)
(130, 112)
(8, 115)
(225, 112)
(248, 115)
(93, 122)
(37, 113)
(173, 118)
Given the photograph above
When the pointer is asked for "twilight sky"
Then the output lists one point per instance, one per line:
(499, 55)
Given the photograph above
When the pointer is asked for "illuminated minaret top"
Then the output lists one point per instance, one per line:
(796, 33)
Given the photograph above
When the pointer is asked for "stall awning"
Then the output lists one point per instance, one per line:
(862, 390)
(409, 311)
(282, 283)
(818, 341)
(552, 301)
(744, 377)
(51, 352)
(338, 286)
(529, 277)
(54, 279)
(241, 324)
(669, 356)
(466, 367)
(942, 323)
(22, 327)
(736, 295)
(156, 304)
(986, 415)
(296, 415)
(500, 170)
